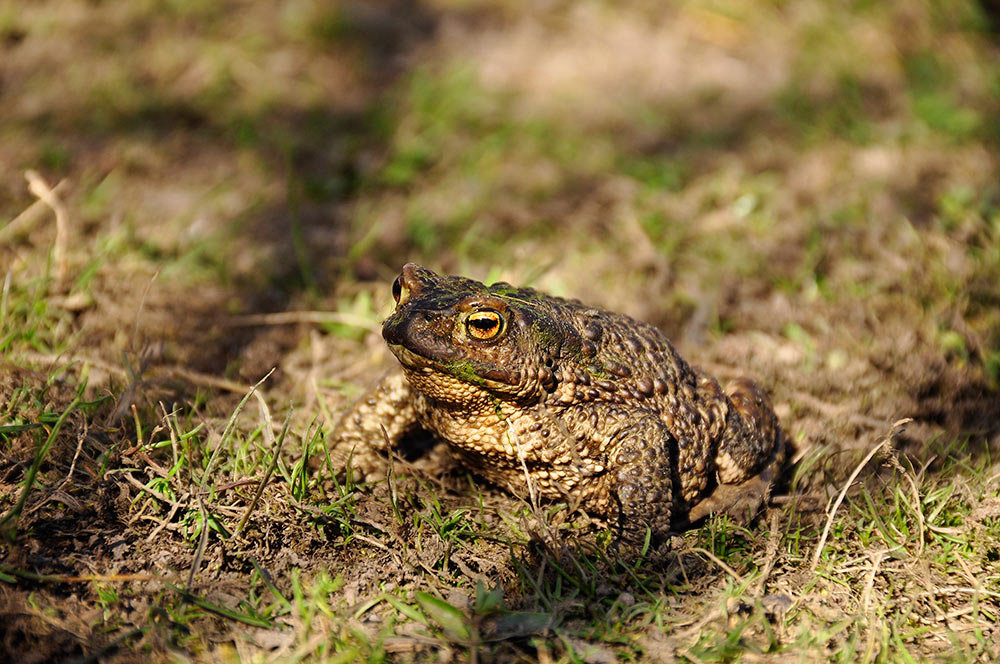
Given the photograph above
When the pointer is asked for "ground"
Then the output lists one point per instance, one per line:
(194, 193)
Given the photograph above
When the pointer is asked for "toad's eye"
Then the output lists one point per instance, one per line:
(484, 324)
(399, 291)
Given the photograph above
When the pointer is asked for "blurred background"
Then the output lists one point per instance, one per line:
(806, 190)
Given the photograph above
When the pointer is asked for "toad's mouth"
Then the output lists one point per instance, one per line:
(411, 359)
(465, 371)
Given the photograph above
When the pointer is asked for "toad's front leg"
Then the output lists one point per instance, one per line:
(359, 440)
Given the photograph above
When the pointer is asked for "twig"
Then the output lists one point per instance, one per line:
(126, 473)
(373, 542)
(528, 479)
(45, 358)
(23, 222)
(163, 524)
(76, 455)
(952, 590)
(142, 487)
(172, 428)
(41, 189)
(896, 429)
(208, 380)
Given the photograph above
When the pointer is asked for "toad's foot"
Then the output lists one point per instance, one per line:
(742, 501)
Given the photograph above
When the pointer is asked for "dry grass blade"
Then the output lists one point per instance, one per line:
(885, 442)
(866, 595)
(921, 526)
(4, 295)
(142, 304)
(275, 446)
(202, 544)
(79, 578)
(718, 561)
(47, 195)
(230, 427)
(179, 373)
(295, 317)
(771, 554)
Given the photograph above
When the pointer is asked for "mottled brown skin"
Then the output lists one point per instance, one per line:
(545, 395)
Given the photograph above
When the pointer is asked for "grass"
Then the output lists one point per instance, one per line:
(898, 535)
(240, 198)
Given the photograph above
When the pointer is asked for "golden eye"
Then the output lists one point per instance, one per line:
(400, 293)
(484, 324)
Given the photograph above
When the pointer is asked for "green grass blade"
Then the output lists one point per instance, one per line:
(220, 610)
(8, 525)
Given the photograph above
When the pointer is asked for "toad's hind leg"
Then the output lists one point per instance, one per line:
(640, 490)
(749, 456)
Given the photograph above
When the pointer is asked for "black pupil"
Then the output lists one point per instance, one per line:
(397, 289)
(483, 323)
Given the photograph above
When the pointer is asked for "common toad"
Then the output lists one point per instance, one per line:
(573, 402)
